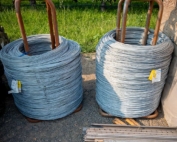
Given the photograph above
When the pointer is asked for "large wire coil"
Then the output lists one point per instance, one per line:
(122, 71)
(51, 79)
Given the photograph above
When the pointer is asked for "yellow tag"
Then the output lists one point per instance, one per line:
(19, 86)
(152, 75)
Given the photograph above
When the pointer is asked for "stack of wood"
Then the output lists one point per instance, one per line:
(130, 121)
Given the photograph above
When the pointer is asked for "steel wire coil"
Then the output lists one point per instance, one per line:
(51, 79)
(122, 71)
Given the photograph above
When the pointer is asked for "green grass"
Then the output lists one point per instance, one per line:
(84, 25)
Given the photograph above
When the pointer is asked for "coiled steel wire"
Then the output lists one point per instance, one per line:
(51, 79)
(122, 71)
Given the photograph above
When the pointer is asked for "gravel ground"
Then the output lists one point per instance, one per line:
(15, 128)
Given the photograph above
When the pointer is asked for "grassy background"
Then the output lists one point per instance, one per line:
(86, 25)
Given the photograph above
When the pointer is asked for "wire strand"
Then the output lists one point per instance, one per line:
(51, 79)
(122, 71)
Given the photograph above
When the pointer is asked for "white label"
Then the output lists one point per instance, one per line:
(14, 86)
(157, 78)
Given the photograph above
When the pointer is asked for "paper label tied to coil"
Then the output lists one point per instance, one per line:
(155, 75)
(15, 86)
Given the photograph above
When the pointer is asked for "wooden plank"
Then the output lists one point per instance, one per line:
(132, 122)
(118, 121)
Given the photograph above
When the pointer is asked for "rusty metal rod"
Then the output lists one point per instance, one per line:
(125, 10)
(119, 9)
(152, 116)
(124, 20)
(55, 25)
(50, 26)
(159, 18)
(21, 24)
(104, 113)
(151, 3)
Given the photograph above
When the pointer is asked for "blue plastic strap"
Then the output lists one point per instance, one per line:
(24, 53)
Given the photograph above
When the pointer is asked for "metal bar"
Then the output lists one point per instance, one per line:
(55, 25)
(118, 135)
(127, 135)
(21, 24)
(50, 26)
(115, 130)
(151, 3)
(124, 20)
(154, 115)
(159, 18)
(129, 140)
(161, 132)
(119, 9)
(123, 30)
(124, 132)
(114, 125)
(104, 113)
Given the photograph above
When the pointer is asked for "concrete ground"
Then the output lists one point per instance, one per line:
(15, 128)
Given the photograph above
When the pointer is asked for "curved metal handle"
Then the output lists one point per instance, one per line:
(125, 10)
(52, 24)
(51, 7)
(153, 115)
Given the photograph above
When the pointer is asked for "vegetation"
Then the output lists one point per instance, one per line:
(86, 25)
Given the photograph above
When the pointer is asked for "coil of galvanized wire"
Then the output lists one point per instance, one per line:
(122, 71)
(51, 79)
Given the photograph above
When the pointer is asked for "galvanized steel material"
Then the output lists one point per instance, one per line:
(51, 79)
(125, 133)
(122, 70)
